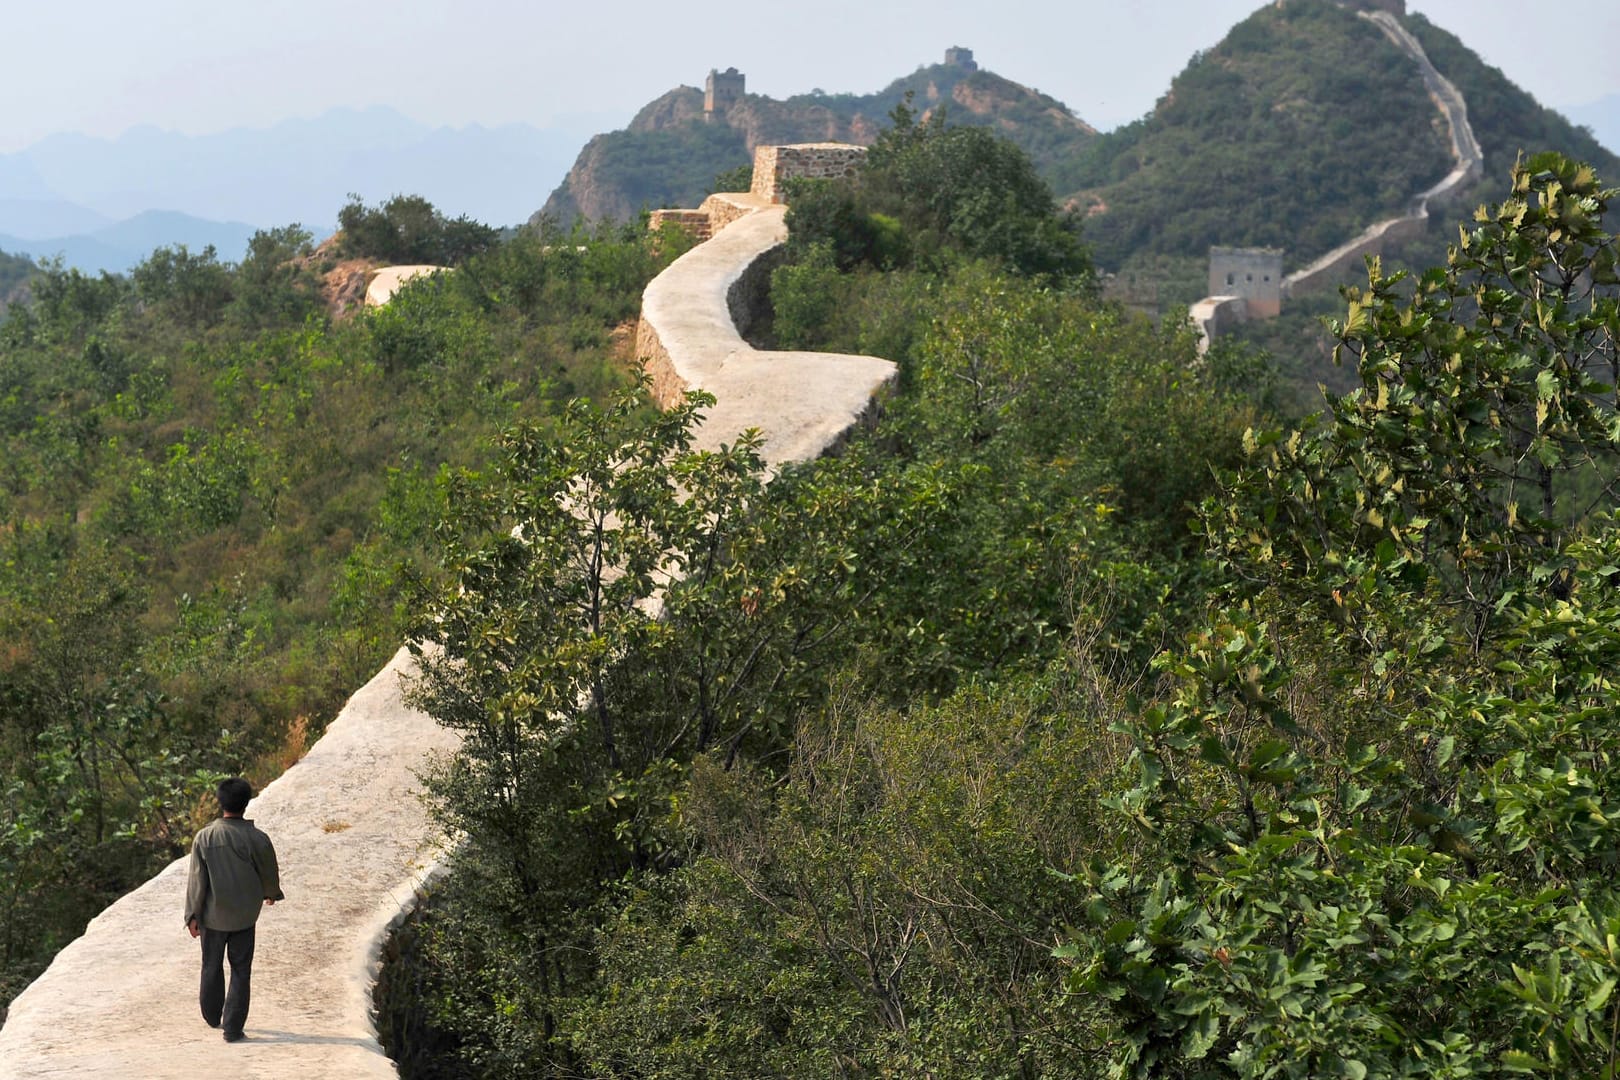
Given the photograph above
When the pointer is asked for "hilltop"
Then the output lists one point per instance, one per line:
(670, 153)
(1299, 128)
(1302, 126)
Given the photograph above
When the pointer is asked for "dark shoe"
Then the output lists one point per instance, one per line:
(234, 1036)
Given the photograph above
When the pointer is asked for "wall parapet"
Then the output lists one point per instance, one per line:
(803, 403)
(775, 165)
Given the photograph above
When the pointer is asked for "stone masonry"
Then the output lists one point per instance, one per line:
(721, 91)
(816, 161)
(773, 165)
(1255, 274)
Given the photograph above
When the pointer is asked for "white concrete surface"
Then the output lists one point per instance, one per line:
(353, 843)
(802, 402)
(387, 280)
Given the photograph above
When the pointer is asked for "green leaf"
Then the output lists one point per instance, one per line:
(1516, 1061)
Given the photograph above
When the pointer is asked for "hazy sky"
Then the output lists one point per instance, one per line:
(102, 66)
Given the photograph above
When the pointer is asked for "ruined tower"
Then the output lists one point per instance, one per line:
(956, 56)
(1255, 274)
(722, 90)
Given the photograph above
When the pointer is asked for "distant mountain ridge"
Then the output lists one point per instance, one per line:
(117, 246)
(61, 193)
(669, 154)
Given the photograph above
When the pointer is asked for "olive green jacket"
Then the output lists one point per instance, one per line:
(231, 874)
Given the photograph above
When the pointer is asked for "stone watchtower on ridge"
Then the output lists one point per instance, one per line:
(722, 90)
(956, 56)
(1255, 274)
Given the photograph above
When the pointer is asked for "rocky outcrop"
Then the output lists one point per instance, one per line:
(606, 180)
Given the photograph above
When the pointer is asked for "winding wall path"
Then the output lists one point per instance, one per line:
(354, 844)
(1213, 314)
(1464, 150)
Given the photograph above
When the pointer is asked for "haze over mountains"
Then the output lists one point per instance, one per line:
(106, 203)
(1601, 117)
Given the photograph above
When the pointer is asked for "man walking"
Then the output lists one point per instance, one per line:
(231, 877)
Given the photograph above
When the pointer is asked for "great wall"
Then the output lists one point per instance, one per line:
(354, 841)
(1217, 312)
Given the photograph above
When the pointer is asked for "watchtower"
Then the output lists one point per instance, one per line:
(722, 90)
(1255, 274)
(956, 56)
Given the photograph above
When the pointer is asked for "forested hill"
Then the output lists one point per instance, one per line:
(1301, 127)
(669, 155)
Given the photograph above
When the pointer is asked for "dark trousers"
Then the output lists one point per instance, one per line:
(222, 1008)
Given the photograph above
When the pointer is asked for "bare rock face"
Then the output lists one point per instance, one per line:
(583, 194)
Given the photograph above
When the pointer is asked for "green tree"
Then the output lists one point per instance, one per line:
(409, 229)
(928, 189)
(277, 285)
(193, 289)
(1379, 801)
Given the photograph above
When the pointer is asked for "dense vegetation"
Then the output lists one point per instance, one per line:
(929, 192)
(207, 488)
(865, 709)
(1078, 719)
(967, 754)
(408, 229)
(1507, 121)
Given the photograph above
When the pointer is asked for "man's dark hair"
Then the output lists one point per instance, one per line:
(233, 794)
